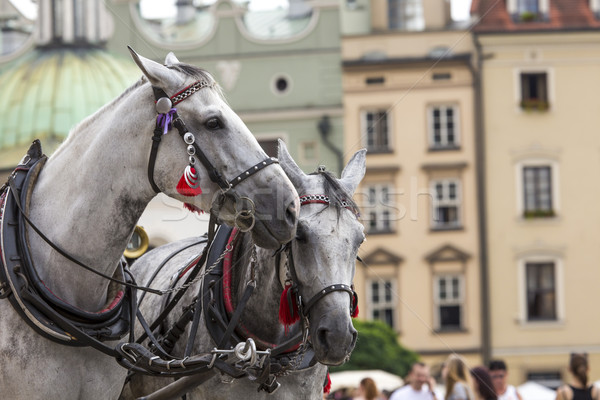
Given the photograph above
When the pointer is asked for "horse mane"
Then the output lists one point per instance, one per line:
(186, 69)
(338, 196)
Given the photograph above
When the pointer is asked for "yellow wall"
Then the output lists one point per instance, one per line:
(408, 90)
(566, 136)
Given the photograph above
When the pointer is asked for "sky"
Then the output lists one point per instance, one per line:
(156, 8)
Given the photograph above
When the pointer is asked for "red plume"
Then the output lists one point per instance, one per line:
(327, 384)
(289, 313)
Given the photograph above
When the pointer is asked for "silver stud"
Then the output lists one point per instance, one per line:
(163, 105)
(255, 168)
(189, 138)
(247, 173)
(191, 150)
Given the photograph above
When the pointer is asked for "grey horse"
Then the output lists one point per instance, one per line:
(324, 254)
(91, 192)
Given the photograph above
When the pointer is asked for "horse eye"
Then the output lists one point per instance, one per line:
(213, 123)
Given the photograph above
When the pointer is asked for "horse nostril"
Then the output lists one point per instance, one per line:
(354, 337)
(322, 336)
(291, 213)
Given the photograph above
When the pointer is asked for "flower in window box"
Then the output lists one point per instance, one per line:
(531, 214)
(527, 16)
(534, 104)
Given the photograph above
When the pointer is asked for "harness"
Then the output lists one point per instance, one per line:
(223, 323)
(46, 313)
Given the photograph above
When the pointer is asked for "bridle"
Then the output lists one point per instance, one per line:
(305, 306)
(193, 150)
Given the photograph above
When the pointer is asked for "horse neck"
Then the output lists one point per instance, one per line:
(89, 196)
(261, 314)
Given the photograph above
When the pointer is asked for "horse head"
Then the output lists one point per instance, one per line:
(324, 254)
(207, 163)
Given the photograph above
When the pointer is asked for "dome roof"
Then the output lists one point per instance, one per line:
(49, 90)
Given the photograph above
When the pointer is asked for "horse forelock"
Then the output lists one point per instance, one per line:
(199, 74)
(338, 196)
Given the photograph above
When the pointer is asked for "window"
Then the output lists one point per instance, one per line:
(531, 6)
(446, 204)
(270, 146)
(537, 189)
(381, 301)
(443, 127)
(376, 129)
(406, 15)
(550, 379)
(379, 206)
(448, 300)
(534, 91)
(540, 279)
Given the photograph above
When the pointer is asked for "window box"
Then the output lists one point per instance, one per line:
(534, 105)
(528, 16)
(532, 214)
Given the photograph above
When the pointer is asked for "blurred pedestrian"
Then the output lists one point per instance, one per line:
(456, 379)
(420, 385)
(579, 387)
(499, 375)
(367, 390)
(482, 384)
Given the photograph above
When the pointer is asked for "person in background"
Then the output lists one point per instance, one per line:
(367, 390)
(482, 383)
(579, 387)
(420, 385)
(456, 379)
(499, 374)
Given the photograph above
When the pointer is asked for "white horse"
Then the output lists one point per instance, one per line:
(91, 192)
(323, 255)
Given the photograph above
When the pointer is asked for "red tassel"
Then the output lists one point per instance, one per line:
(327, 385)
(189, 184)
(354, 312)
(192, 208)
(288, 308)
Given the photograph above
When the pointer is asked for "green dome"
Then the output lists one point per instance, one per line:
(48, 91)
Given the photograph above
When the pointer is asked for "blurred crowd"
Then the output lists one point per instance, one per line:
(461, 382)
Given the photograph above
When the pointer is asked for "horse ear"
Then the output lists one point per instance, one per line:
(171, 60)
(289, 166)
(354, 171)
(157, 74)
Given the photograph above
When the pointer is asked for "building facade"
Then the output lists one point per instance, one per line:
(540, 62)
(409, 99)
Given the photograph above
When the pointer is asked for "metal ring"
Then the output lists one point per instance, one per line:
(192, 160)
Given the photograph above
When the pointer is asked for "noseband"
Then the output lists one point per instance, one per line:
(305, 306)
(178, 123)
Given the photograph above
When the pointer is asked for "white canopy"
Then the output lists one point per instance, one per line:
(534, 391)
(383, 380)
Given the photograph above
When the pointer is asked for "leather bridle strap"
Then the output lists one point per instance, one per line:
(331, 288)
(213, 173)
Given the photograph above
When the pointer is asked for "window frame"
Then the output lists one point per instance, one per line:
(524, 106)
(402, 23)
(365, 134)
(379, 208)
(392, 304)
(458, 202)
(522, 213)
(558, 288)
(438, 302)
(443, 129)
